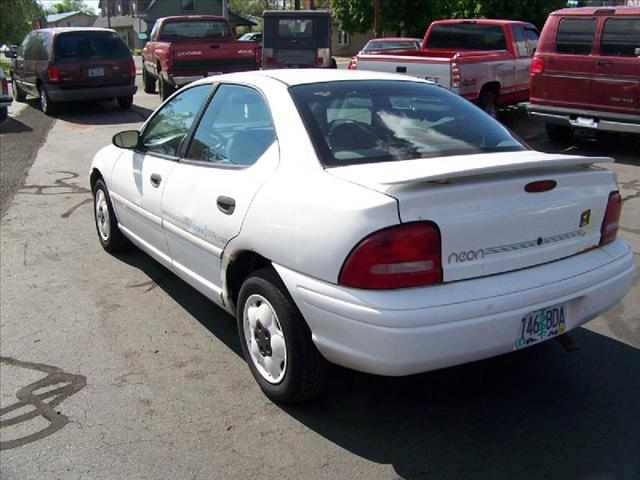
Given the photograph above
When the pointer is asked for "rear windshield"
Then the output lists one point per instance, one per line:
(392, 45)
(196, 29)
(90, 45)
(295, 28)
(367, 121)
(467, 36)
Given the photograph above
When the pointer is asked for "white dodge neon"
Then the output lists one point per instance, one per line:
(375, 221)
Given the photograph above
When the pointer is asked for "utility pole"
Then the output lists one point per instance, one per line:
(225, 8)
(378, 19)
(109, 13)
(296, 4)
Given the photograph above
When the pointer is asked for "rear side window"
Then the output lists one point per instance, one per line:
(575, 35)
(620, 37)
(90, 45)
(196, 29)
(467, 36)
(295, 28)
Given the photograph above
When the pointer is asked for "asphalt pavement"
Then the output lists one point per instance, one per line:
(114, 368)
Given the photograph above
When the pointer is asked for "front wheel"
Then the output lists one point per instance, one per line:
(148, 81)
(488, 102)
(47, 106)
(110, 236)
(276, 341)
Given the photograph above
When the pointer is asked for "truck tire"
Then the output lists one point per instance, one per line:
(125, 102)
(488, 101)
(148, 81)
(165, 88)
(558, 133)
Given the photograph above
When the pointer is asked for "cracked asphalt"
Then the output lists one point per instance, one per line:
(113, 368)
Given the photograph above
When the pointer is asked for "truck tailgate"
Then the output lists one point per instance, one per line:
(437, 70)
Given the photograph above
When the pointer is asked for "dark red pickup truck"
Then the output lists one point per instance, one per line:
(185, 48)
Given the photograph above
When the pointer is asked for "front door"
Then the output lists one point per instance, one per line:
(232, 153)
(140, 176)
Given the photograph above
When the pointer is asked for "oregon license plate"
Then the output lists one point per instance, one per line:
(96, 72)
(541, 324)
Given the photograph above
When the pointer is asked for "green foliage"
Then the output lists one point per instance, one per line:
(4, 64)
(72, 6)
(413, 16)
(17, 19)
(256, 7)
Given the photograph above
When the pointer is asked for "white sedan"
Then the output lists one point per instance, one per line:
(371, 220)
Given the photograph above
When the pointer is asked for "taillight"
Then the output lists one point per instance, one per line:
(319, 61)
(455, 75)
(611, 221)
(258, 53)
(402, 256)
(132, 68)
(353, 64)
(537, 66)
(53, 73)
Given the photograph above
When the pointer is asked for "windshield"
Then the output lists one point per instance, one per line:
(467, 36)
(366, 121)
(196, 29)
(90, 45)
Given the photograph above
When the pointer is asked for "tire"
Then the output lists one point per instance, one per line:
(18, 94)
(125, 102)
(165, 89)
(488, 102)
(558, 133)
(48, 107)
(3, 113)
(148, 81)
(110, 236)
(300, 371)
(333, 63)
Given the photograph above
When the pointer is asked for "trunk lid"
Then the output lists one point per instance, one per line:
(488, 223)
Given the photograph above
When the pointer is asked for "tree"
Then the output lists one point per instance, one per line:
(17, 19)
(65, 6)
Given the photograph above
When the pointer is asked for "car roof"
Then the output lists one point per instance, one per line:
(56, 30)
(301, 76)
(395, 39)
(622, 10)
(191, 17)
(481, 21)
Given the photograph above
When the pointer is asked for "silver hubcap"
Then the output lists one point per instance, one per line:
(102, 215)
(264, 338)
(43, 100)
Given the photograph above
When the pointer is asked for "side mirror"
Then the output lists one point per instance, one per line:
(637, 51)
(128, 139)
(142, 36)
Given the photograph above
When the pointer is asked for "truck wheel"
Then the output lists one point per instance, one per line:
(334, 64)
(18, 94)
(48, 107)
(558, 133)
(148, 81)
(165, 90)
(488, 102)
(276, 341)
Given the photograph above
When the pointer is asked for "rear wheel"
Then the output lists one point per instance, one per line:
(148, 81)
(488, 102)
(558, 133)
(47, 106)
(18, 94)
(276, 341)
(165, 89)
(125, 102)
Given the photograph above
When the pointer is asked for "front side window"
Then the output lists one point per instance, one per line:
(236, 128)
(167, 129)
(575, 35)
(467, 36)
(295, 28)
(621, 37)
(369, 121)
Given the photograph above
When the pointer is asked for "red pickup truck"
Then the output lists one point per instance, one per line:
(485, 61)
(183, 49)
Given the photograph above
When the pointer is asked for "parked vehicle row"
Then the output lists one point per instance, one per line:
(5, 96)
(371, 220)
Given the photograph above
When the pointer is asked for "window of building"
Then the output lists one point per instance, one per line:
(343, 38)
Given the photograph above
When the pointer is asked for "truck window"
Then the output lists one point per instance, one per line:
(467, 36)
(295, 28)
(532, 38)
(575, 35)
(195, 29)
(620, 37)
(521, 44)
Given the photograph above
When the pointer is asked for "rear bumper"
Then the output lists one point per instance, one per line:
(410, 331)
(5, 102)
(604, 121)
(58, 94)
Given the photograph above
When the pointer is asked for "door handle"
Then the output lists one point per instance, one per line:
(155, 179)
(226, 204)
(603, 63)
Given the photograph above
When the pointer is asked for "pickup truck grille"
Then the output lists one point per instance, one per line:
(224, 64)
(295, 57)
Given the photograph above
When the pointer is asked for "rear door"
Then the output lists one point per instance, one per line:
(570, 69)
(616, 82)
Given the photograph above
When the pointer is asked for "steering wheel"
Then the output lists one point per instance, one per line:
(333, 124)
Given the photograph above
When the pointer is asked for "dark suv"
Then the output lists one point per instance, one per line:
(73, 64)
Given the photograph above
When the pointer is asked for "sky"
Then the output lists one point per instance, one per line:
(90, 3)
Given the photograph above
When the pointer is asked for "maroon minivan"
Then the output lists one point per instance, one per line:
(586, 71)
(73, 64)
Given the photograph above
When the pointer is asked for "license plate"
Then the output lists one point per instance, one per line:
(213, 74)
(586, 122)
(541, 324)
(96, 72)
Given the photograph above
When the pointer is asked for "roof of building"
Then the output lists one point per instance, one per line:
(56, 17)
